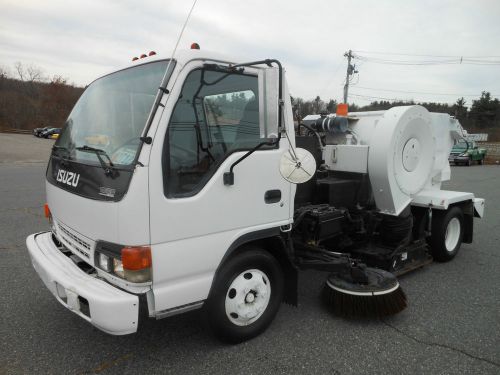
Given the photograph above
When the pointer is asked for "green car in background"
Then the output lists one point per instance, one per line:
(465, 152)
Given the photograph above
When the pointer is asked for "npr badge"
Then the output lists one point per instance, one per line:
(107, 192)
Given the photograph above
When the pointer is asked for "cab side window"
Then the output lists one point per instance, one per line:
(216, 114)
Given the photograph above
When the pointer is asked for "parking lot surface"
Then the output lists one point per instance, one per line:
(451, 326)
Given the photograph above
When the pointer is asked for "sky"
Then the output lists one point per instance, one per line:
(81, 40)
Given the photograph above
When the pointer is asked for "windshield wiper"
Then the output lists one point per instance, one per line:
(108, 168)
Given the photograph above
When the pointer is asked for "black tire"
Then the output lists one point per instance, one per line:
(480, 161)
(437, 240)
(251, 258)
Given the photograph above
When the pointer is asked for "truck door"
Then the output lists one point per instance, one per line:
(212, 117)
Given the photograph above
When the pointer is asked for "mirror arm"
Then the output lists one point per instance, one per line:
(228, 177)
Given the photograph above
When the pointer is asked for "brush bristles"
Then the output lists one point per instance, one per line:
(348, 305)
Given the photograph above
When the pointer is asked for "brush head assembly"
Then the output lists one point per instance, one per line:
(378, 296)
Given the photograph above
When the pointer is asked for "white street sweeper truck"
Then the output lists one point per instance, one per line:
(179, 184)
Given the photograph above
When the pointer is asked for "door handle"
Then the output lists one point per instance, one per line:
(272, 196)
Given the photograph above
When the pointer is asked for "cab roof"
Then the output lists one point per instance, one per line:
(181, 57)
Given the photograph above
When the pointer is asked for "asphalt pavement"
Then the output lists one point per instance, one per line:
(451, 326)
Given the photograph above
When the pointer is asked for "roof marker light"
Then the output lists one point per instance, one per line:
(151, 53)
(195, 46)
(135, 58)
(143, 55)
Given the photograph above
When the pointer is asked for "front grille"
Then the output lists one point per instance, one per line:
(73, 241)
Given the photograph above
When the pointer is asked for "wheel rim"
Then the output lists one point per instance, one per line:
(452, 234)
(247, 297)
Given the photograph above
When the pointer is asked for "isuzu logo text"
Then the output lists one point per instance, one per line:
(68, 178)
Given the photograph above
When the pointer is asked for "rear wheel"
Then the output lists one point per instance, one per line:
(447, 233)
(246, 296)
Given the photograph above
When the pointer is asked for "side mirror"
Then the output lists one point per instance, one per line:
(269, 102)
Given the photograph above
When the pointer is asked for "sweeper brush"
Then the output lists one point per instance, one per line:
(380, 295)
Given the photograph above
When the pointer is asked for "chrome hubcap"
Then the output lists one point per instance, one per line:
(452, 234)
(247, 297)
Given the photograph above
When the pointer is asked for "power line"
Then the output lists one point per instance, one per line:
(370, 97)
(417, 55)
(375, 97)
(454, 61)
(419, 92)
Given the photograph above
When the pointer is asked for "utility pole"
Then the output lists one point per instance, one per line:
(351, 69)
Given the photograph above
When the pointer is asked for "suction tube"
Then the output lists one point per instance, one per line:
(331, 124)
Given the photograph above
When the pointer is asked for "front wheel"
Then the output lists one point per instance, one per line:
(246, 296)
(447, 233)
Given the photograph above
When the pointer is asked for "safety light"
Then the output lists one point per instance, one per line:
(195, 46)
(342, 109)
(135, 58)
(151, 53)
(137, 263)
(143, 55)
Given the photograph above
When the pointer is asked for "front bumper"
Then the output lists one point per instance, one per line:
(110, 309)
(458, 158)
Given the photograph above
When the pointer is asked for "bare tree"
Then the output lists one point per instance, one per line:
(4, 72)
(30, 73)
(20, 70)
(59, 80)
(34, 73)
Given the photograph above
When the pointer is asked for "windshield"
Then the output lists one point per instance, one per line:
(111, 114)
(460, 145)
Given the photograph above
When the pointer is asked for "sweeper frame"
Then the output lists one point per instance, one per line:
(202, 194)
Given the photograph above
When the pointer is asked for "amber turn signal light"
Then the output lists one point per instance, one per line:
(136, 258)
(46, 210)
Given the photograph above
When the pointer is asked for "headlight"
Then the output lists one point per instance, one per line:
(118, 268)
(132, 263)
(104, 262)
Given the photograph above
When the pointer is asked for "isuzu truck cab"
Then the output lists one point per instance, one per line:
(164, 190)
(135, 193)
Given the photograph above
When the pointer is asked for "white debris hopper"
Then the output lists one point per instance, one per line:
(405, 152)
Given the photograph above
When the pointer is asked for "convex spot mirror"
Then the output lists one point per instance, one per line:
(297, 165)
